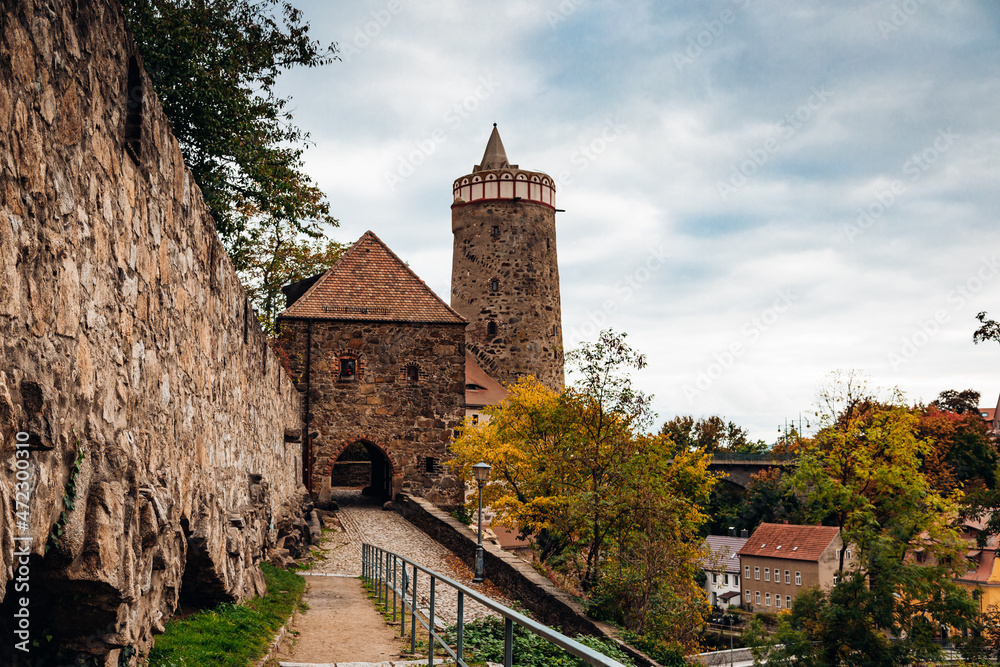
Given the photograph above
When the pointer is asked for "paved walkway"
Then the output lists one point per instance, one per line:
(364, 521)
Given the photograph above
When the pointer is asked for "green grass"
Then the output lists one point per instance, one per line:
(230, 635)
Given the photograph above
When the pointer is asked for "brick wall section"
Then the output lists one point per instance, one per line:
(521, 257)
(406, 421)
(126, 335)
(548, 603)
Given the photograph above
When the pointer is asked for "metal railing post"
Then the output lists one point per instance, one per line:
(394, 588)
(430, 629)
(459, 650)
(402, 607)
(508, 643)
(413, 614)
(378, 575)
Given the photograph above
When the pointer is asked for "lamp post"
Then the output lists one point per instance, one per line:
(482, 473)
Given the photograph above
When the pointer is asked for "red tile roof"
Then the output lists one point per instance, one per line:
(491, 392)
(791, 542)
(371, 283)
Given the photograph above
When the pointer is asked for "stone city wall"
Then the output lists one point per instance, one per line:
(160, 460)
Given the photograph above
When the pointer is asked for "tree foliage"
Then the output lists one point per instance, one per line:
(989, 330)
(214, 65)
(862, 473)
(617, 508)
(711, 434)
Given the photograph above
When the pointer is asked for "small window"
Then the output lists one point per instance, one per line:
(921, 557)
(491, 328)
(725, 580)
(746, 572)
(767, 599)
(838, 554)
(756, 597)
(432, 465)
(495, 232)
(788, 602)
(788, 577)
(748, 596)
(798, 578)
(848, 554)
(767, 574)
(348, 370)
(756, 573)
(715, 578)
(736, 580)
(412, 373)
(777, 601)
(475, 418)
(494, 285)
(836, 578)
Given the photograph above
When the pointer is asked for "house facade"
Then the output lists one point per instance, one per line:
(779, 561)
(722, 570)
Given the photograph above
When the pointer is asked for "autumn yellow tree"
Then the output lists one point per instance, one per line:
(615, 506)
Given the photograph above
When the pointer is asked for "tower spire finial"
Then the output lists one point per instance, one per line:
(495, 156)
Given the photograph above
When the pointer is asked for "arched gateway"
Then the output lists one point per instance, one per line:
(362, 463)
(381, 360)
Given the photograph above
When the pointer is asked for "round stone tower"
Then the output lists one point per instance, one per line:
(505, 276)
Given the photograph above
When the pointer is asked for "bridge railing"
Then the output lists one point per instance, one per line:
(395, 576)
(764, 457)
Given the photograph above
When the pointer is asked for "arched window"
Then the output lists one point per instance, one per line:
(412, 373)
(133, 109)
(348, 369)
(494, 285)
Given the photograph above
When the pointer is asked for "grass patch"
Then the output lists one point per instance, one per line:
(230, 635)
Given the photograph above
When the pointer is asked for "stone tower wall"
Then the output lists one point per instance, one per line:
(514, 243)
(406, 421)
(126, 340)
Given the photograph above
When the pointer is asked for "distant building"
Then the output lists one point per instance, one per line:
(989, 417)
(779, 561)
(722, 583)
(480, 391)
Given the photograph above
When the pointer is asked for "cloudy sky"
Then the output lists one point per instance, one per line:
(758, 192)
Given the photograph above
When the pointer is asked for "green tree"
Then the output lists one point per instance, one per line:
(862, 474)
(214, 65)
(990, 330)
(711, 434)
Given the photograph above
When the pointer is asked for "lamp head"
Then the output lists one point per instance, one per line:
(481, 471)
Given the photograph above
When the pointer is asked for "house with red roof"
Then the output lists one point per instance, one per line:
(779, 561)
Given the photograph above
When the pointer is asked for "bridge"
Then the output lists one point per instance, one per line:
(737, 467)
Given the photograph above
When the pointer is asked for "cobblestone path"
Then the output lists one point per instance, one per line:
(364, 520)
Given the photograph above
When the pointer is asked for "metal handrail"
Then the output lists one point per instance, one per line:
(380, 567)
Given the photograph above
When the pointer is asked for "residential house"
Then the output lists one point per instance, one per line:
(779, 561)
(722, 570)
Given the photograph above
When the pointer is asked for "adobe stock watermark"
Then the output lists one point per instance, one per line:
(625, 289)
(453, 118)
(898, 17)
(761, 155)
(750, 333)
(592, 150)
(914, 169)
(22, 542)
(370, 30)
(563, 11)
(710, 32)
(927, 329)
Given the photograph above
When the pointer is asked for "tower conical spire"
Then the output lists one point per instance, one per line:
(495, 156)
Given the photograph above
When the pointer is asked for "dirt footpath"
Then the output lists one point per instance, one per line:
(341, 625)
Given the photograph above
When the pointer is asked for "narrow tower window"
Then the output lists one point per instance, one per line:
(494, 285)
(133, 109)
(348, 370)
(491, 328)
(496, 231)
(412, 373)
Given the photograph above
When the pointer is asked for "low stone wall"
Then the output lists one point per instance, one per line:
(548, 603)
(721, 657)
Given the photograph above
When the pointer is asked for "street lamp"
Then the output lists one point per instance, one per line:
(482, 473)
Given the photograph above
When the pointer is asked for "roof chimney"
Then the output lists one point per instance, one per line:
(732, 531)
(745, 533)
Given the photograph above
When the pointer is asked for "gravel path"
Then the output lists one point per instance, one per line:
(364, 520)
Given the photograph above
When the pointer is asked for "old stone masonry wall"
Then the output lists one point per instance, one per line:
(158, 460)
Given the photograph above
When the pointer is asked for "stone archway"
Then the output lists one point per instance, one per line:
(384, 474)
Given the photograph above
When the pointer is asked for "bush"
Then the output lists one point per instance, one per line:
(484, 641)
